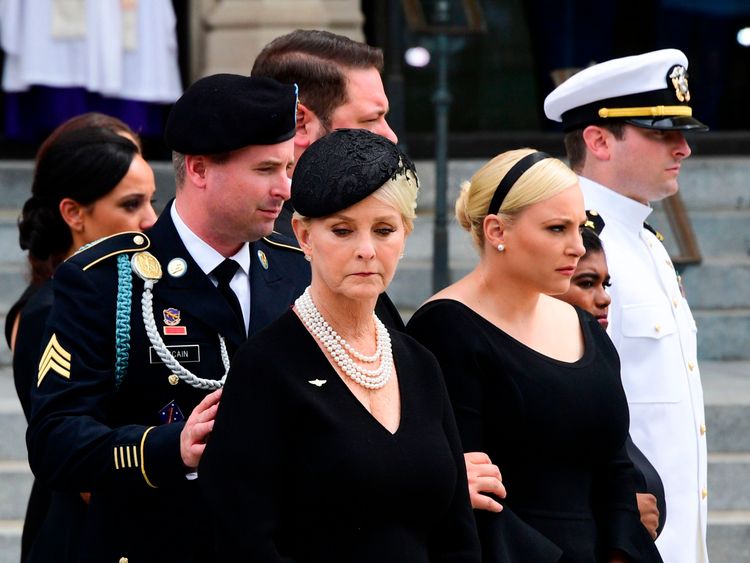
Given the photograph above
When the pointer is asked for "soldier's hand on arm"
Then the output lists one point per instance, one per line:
(484, 477)
(649, 512)
(197, 428)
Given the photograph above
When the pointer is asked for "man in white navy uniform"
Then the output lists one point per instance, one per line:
(624, 121)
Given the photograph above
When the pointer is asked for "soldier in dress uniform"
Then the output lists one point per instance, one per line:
(625, 121)
(139, 338)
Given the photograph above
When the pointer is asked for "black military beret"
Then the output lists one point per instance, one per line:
(225, 112)
(343, 168)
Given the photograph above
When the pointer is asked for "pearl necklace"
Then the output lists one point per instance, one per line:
(342, 352)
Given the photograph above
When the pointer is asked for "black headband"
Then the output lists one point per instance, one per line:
(512, 177)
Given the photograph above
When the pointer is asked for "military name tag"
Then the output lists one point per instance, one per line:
(183, 354)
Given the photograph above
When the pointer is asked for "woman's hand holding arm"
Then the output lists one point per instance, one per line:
(484, 477)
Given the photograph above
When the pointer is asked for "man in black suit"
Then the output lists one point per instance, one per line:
(339, 88)
(143, 326)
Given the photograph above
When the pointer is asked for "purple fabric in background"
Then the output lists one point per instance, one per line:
(30, 116)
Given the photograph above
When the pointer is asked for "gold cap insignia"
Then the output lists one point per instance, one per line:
(55, 358)
(146, 266)
(678, 76)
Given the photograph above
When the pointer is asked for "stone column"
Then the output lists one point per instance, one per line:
(227, 35)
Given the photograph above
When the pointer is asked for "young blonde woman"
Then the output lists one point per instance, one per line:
(534, 381)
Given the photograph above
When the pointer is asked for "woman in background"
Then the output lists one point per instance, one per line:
(534, 382)
(588, 290)
(89, 182)
(41, 268)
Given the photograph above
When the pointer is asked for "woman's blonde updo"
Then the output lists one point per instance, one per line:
(542, 181)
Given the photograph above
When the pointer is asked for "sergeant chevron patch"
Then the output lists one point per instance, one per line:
(55, 358)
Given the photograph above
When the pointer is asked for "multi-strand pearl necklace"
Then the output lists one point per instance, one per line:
(342, 352)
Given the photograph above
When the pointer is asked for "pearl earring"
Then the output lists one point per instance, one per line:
(308, 257)
(501, 247)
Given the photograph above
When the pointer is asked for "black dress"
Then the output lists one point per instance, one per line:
(555, 429)
(297, 469)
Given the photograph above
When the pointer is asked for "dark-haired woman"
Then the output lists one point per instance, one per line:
(41, 269)
(89, 182)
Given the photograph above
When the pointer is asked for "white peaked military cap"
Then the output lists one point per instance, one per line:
(649, 90)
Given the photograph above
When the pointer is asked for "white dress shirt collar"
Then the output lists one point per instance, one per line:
(614, 206)
(204, 254)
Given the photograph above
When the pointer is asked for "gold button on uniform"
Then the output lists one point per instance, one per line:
(675, 303)
(657, 328)
(691, 366)
(704, 493)
(703, 429)
(173, 379)
(123, 560)
(137, 239)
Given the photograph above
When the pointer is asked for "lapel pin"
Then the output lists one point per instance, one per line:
(263, 259)
(318, 382)
(172, 319)
(177, 267)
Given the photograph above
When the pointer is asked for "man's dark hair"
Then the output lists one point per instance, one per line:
(316, 61)
(575, 147)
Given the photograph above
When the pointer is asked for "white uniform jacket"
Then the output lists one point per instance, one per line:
(655, 334)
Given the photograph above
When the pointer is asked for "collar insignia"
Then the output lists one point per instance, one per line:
(263, 259)
(318, 382)
(177, 267)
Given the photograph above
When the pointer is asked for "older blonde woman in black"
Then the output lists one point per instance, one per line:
(335, 439)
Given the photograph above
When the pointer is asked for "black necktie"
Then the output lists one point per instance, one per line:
(224, 273)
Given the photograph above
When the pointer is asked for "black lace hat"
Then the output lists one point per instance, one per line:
(343, 168)
(225, 112)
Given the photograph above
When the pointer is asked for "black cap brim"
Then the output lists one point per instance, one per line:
(677, 123)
